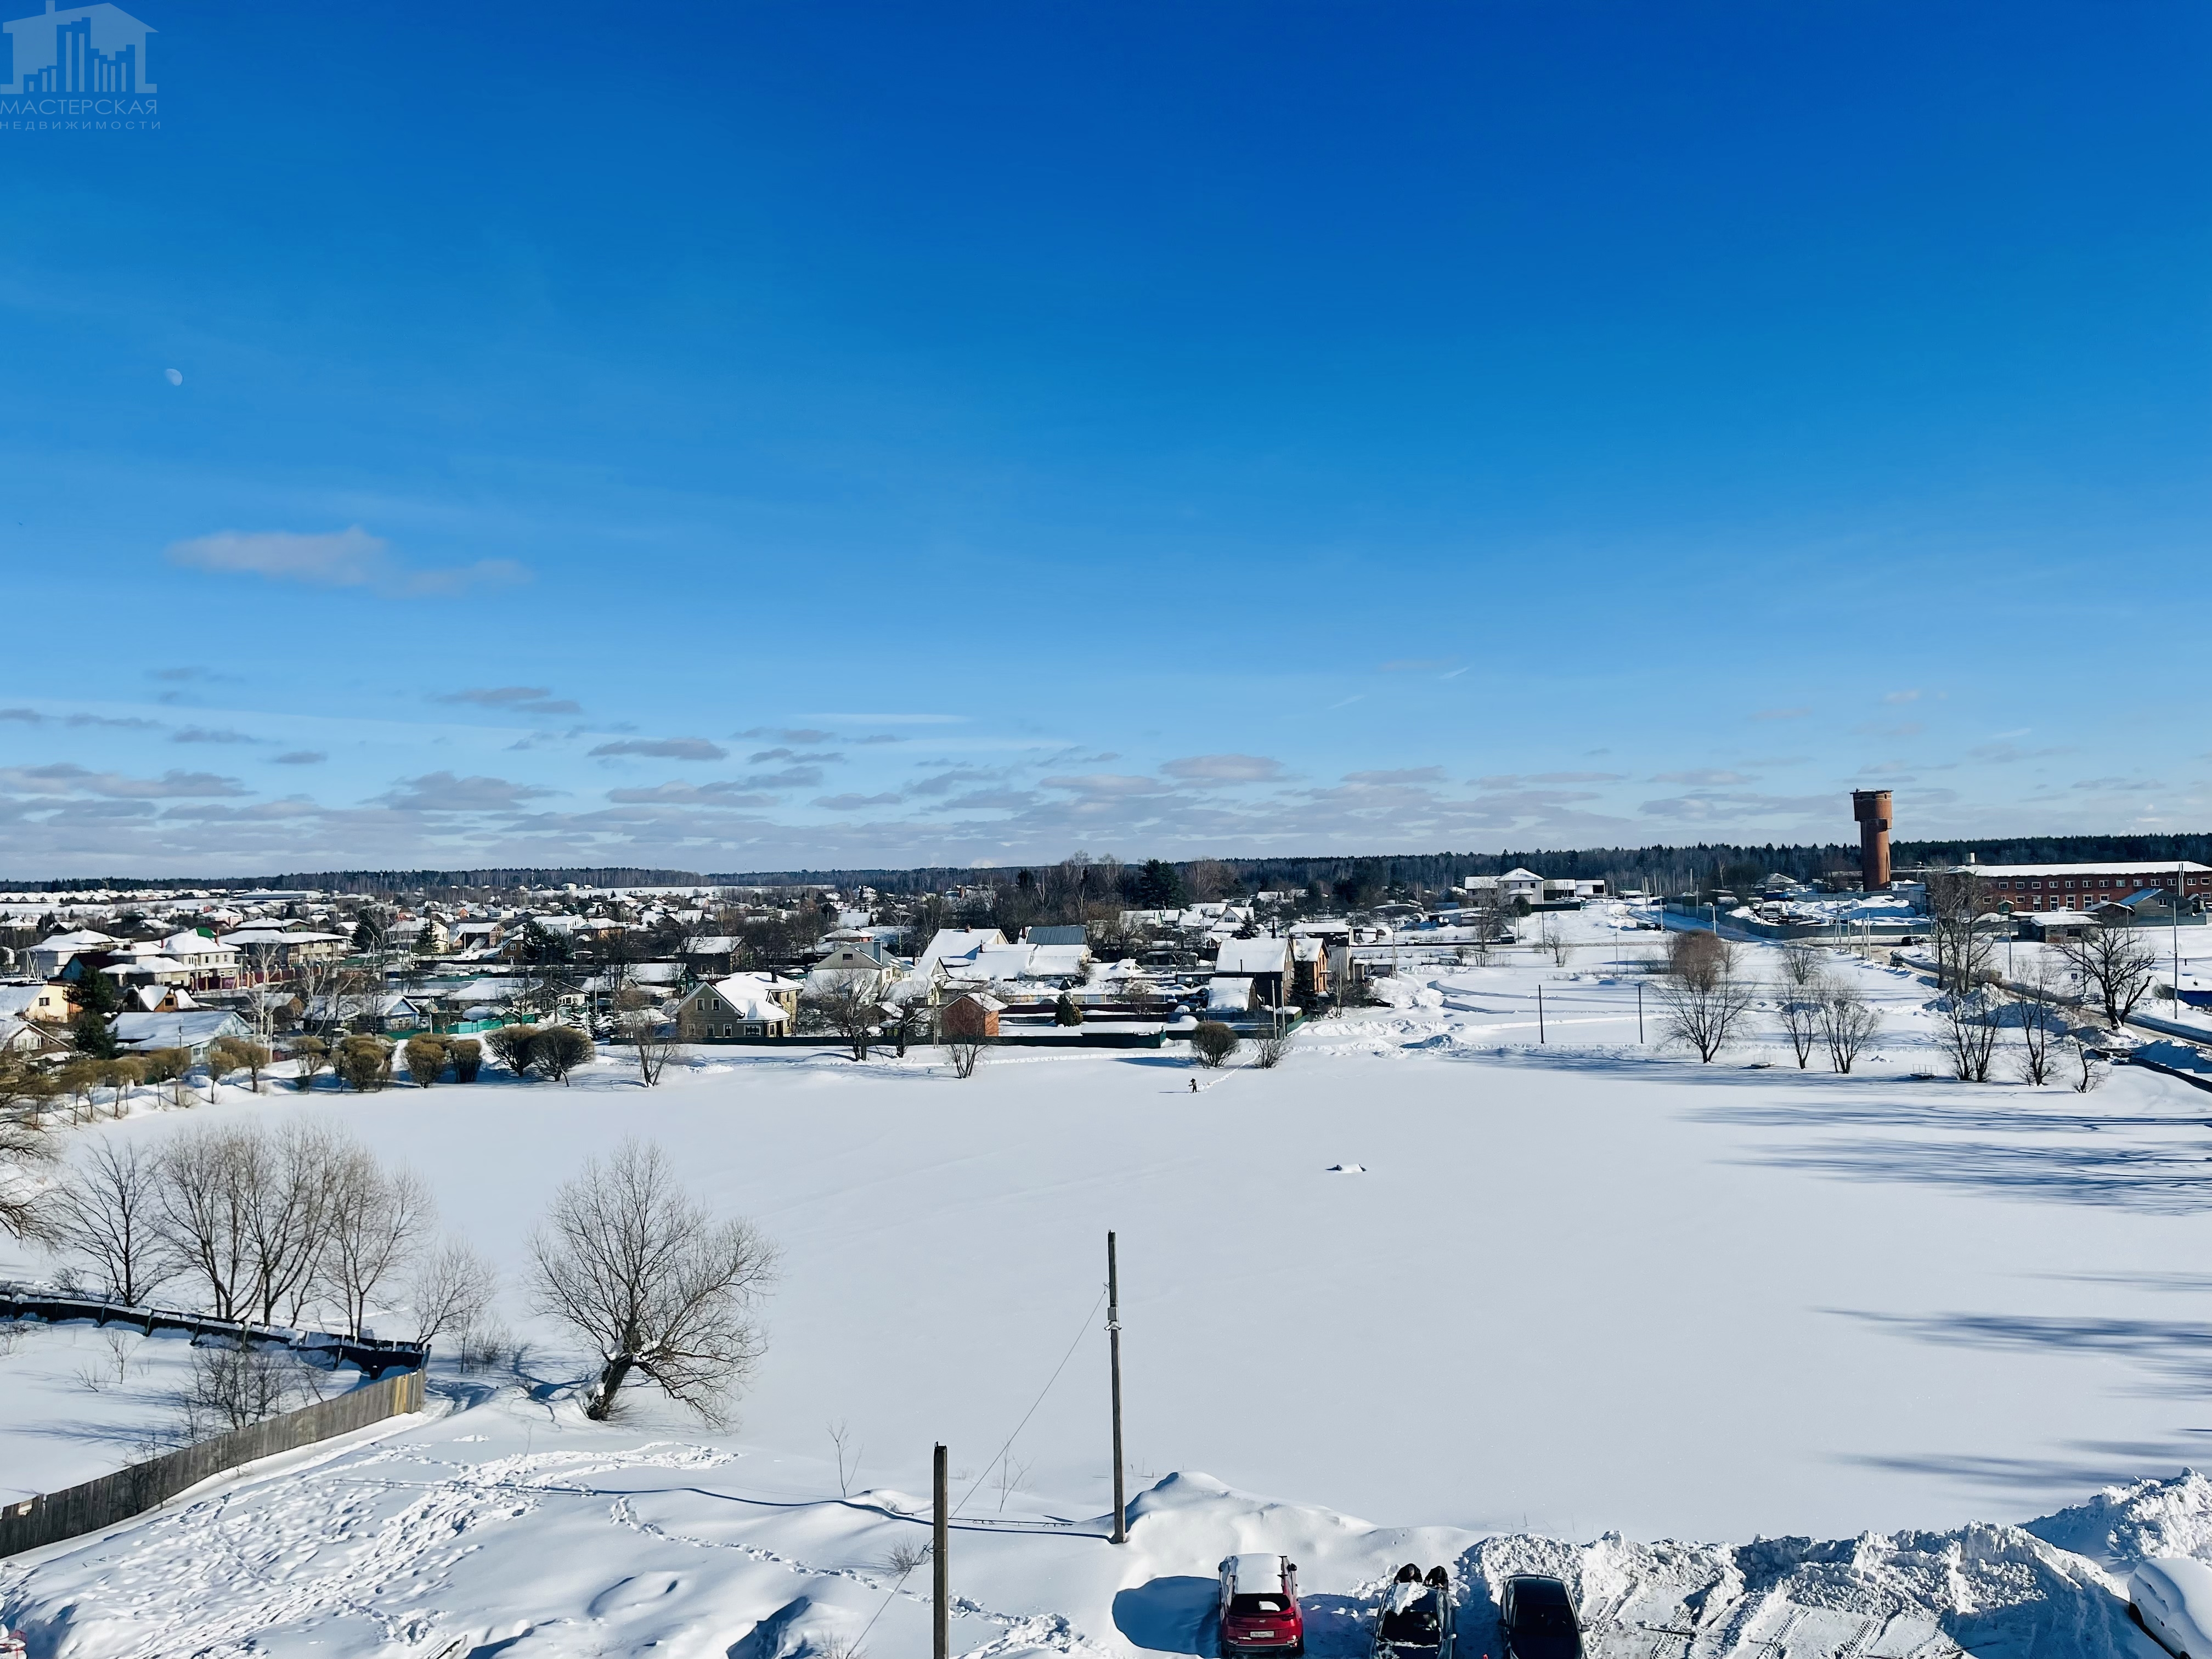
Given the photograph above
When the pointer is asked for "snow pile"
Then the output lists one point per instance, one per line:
(2173, 1595)
(433, 1542)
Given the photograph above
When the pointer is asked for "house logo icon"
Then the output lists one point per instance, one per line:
(87, 50)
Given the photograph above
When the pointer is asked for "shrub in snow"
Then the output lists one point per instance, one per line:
(467, 1055)
(1212, 1042)
(363, 1062)
(559, 1050)
(510, 1045)
(426, 1058)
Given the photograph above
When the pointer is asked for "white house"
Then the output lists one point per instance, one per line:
(193, 1029)
(953, 948)
(50, 955)
(212, 964)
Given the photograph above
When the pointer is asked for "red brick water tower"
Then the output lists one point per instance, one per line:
(1871, 808)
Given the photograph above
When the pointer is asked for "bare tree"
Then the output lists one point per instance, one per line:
(847, 1005)
(652, 1041)
(107, 1214)
(1964, 947)
(2087, 1054)
(453, 1291)
(839, 1435)
(1269, 1048)
(371, 1229)
(24, 1148)
(642, 1271)
(906, 1022)
(1804, 965)
(2114, 967)
(1012, 1472)
(235, 1388)
(2040, 1022)
(167, 1065)
(1798, 1011)
(1966, 1025)
(1848, 1023)
(292, 1177)
(1553, 939)
(203, 1215)
(1704, 1001)
(966, 1054)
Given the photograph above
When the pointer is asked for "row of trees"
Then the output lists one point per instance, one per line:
(1706, 1001)
(257, 1223)
(279, 1225)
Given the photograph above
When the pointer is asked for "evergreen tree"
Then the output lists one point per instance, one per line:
(96, 993)
(93, 1036)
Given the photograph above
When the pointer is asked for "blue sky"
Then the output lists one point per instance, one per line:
(747, 436)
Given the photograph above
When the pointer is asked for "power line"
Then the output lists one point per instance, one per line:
(891, 1595)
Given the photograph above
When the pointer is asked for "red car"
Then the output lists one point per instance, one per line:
(1260, 1607)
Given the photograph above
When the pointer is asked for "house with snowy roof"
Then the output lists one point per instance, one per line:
(1265, 964)
(49, 957)
(740, 1006)
(192, 1030)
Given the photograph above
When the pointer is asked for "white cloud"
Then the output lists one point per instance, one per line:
(1402, 774)
(696, 748)
(341, 558)
(524, 699)
(1225, 768)
(64, 777)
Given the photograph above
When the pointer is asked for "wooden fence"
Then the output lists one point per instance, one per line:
(78, 1510)
(373, 1356)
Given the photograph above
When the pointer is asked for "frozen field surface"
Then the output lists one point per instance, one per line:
(1573, 1291)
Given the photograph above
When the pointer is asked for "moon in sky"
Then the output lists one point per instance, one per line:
(176, 376)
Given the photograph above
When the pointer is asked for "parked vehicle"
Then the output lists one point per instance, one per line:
(1536, 1617)
(1415, 1621)
(1260, 1607)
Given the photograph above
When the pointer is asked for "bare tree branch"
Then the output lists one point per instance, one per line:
(642, 1271)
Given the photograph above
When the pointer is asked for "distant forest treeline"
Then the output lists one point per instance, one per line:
(1354, 878)
(1671, 868)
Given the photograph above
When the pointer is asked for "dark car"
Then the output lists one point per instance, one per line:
(1415, 1618)
(1537, 1619)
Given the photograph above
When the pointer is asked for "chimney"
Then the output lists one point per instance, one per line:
(1871, 808)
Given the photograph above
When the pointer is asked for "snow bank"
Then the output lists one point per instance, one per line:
(2173, 1595)
(457, 1536)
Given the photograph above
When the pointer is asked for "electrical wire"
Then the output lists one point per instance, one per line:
(891, 1595)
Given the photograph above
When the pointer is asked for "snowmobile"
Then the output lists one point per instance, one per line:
(1416, 1618)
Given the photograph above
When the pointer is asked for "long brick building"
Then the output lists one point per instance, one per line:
(2078, 886)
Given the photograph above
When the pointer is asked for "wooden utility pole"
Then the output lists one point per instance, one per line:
(940, 1575)
(1114, 1349)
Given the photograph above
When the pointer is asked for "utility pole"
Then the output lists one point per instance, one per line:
(1539, 1013)
(1639, 1011)
(940, 1575)
(1113, 1351)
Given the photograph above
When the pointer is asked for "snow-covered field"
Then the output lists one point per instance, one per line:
(1574, 1288)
